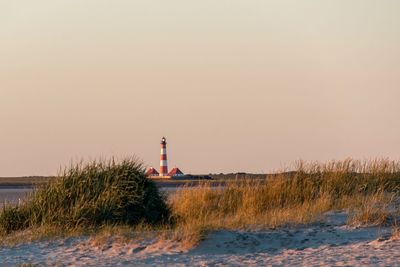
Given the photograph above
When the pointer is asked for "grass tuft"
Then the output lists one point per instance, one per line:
(92, 195)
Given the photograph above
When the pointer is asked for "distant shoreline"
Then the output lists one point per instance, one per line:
(161, 184)
(217, 179)
(17, 186)
(22, 183)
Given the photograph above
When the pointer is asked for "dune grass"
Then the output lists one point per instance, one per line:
(89, 196)
(111, 198)
(365, 189)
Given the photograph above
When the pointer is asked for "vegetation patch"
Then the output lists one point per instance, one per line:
(365, 189)
(91, 195)
(105, 199)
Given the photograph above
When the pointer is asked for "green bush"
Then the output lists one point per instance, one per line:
(98, 193)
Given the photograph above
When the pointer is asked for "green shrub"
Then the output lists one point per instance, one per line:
(101, 192)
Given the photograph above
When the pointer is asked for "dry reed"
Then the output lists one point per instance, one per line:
(363, 187)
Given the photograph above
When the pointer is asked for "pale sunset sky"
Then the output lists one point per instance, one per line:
(234, 85)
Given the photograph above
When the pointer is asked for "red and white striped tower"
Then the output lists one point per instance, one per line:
(163, 158)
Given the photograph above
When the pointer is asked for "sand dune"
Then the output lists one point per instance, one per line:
(329, 243)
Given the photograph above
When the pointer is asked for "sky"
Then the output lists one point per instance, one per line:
(233, 85)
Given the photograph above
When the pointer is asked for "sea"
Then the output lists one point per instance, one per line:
(13, 194)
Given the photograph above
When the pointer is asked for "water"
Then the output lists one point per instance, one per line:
(12, 194)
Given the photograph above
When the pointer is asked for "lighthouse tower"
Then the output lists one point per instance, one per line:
(163, 158)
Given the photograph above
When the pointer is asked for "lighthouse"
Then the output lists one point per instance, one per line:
(163, 158)
(175, 173)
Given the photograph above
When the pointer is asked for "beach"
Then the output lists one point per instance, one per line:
(331, 243)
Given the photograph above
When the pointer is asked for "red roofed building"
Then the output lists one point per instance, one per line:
(152, 172)
(175, 172)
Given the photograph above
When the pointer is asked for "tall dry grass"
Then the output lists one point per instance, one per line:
(297, 197)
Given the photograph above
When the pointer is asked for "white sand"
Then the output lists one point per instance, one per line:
(331, 243)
